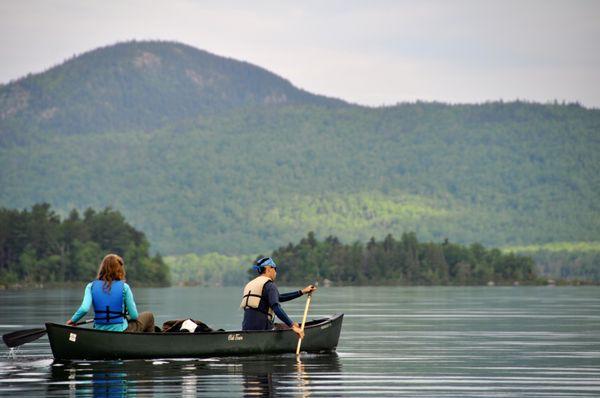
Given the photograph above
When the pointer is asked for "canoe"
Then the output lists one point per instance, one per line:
(68, 342)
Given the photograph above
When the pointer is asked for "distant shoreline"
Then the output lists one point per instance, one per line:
(75, 285)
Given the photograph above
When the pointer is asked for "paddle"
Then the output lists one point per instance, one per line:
(303, 322)
(21, 337)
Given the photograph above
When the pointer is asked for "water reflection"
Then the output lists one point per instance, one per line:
(81, 380)
(258, 385)
(303, 378)
(265, 376)
(285, 375)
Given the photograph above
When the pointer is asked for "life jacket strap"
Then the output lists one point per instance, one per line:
(107, 317)
(268, 314)
(247, 297)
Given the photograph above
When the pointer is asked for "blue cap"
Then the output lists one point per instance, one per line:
(264, 262)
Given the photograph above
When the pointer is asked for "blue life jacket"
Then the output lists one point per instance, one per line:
(108, 305)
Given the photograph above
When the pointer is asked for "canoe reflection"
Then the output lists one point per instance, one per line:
(239, 376)
(285, 375)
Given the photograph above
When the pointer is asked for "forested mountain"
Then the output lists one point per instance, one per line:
(210, 154)
(137, 86)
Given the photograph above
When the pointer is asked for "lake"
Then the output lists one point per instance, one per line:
(395, 341)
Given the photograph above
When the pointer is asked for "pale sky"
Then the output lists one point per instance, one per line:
(367, 52)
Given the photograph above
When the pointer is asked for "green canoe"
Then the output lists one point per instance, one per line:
(68, 342)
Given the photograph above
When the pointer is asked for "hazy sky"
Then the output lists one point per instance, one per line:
(368, 52)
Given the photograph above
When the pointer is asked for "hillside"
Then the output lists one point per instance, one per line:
(137, 86)
(228, 169)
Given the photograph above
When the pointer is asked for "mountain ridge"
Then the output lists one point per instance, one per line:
(172, 81)
(235, 174)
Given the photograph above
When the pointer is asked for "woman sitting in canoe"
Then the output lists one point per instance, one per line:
(261, 299)
(111, 298)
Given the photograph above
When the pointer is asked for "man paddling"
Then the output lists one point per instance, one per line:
(261, 299)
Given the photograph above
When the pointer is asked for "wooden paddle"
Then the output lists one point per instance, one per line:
(20, 337)
(303, 322)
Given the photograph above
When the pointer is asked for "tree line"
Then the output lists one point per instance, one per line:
(400, 262)
(36, 247)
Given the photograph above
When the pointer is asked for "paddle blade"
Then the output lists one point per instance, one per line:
(21, 337)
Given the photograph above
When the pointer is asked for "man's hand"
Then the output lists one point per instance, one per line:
(297, 330)
(71, 323)
(309, 289)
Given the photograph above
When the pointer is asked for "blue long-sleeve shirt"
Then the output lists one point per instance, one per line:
(87, 303)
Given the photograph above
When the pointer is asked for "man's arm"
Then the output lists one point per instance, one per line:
(281, 314)
(292, 295)
(289, 296)
(273, 296)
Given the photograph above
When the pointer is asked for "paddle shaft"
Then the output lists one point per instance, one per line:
(303, 322)
(21, 337)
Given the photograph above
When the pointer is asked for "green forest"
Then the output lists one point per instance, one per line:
(258, 179)
(565, 260)
(400, 262)
(386, 262)
(207, 154)
(211, 269)
(37, 247)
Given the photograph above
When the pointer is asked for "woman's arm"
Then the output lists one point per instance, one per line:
(130, 302)
(85, 304)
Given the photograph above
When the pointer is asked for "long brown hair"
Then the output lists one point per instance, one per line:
(112, 268)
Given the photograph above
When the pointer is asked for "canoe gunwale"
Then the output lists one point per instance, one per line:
(312, 325)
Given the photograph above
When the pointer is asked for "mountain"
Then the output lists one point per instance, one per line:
(206, 154)
(137, 86)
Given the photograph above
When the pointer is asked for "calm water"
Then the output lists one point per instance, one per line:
(424, 342)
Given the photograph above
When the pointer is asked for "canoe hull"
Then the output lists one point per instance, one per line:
(69, 342)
